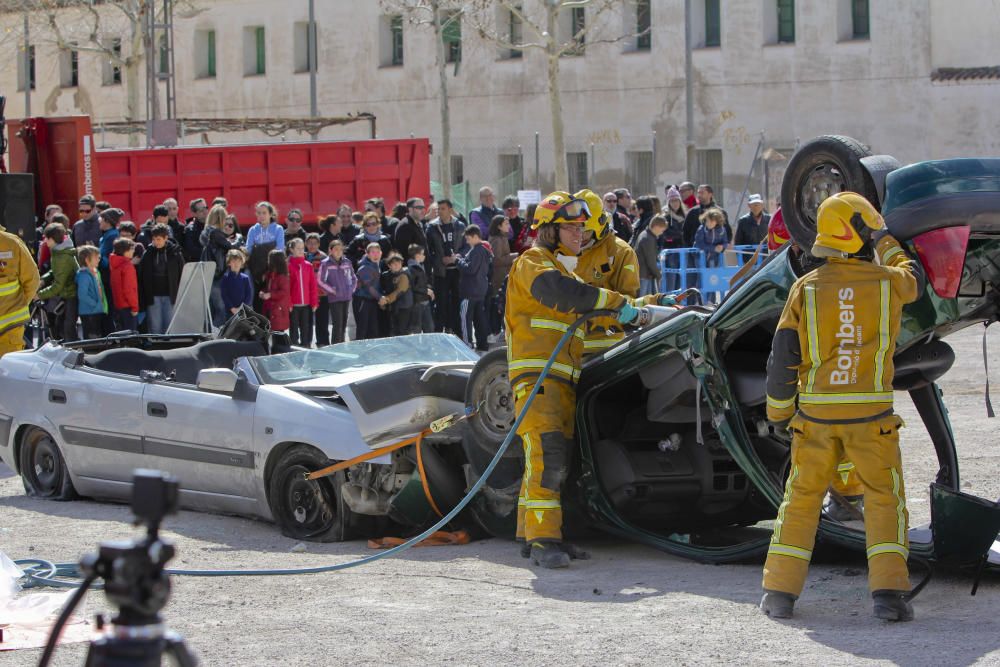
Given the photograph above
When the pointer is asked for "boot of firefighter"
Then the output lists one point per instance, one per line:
(777, 604)
(892, 605)
(574, 552)
(549, 555)
(525, 549)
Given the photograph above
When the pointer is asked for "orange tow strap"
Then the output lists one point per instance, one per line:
(367, 456)
(441, 538)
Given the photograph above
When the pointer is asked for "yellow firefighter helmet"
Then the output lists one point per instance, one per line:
(560, 207)
(844, 224)
(598, 220)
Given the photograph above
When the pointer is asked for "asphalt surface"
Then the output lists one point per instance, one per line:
(482, 604)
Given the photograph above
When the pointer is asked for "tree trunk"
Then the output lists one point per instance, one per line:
(555, 101)
(442, 67)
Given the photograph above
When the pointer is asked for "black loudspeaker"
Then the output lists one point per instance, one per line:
(17, 206)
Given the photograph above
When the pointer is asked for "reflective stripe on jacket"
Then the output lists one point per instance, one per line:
(543, 299)
(836, 338)
(18, 281)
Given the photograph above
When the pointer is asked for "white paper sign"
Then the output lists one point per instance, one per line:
(528, 197)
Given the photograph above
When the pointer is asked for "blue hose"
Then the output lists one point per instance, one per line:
(41, 572)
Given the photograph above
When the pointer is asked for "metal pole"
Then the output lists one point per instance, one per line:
(520, 168)
(538, 173)
(688, 89)
(746, 186)
(27, 68)
(653, 175)
(313, 102)
(592, 167)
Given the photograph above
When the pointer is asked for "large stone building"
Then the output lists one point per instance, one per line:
(915, 78)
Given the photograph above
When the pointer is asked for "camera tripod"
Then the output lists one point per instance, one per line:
(134, 581)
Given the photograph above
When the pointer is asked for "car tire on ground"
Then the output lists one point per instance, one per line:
(43, 468)
(822, 167)
(488, 391)
(311, 510)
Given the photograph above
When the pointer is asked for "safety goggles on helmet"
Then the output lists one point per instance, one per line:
(560, 207)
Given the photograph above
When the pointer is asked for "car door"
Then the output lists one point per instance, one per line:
(96, 414)
(205, 439)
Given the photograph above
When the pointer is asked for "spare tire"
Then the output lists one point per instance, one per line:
(820, 168)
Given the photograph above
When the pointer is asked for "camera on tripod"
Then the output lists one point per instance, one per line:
(136, 582)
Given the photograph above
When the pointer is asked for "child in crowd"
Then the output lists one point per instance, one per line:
(160, 268)
(124, 287)
(399, 301)
(474, 267)
(368, 292)
(92, 304)
(421, 320)
(711, 237)
(59, 294)
(127, 230)
(337, 281)
(315, 256)
(503, 259)
(237, 288)
(647, 250)
(304, 297)
(277, 296)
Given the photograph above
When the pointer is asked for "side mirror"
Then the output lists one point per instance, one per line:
(220, 380)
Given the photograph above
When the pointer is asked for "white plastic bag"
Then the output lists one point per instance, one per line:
(9, 575)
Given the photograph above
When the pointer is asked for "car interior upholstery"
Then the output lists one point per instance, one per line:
(181, 364)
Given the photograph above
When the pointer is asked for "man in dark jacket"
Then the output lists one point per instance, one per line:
(474, 285)
(647, 251)
(191, 243)
(706, 200)
(512, 211)
(751, 228)
(159, 278)
(410, 230)
(444, 242)
(173, 220)
(646, 213)
(87, 230)
(620, 219)
(161, 215)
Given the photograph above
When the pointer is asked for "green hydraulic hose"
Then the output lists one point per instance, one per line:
(41, 572)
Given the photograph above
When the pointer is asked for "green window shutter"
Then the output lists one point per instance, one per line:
(451, 34)
(713, 21)
(261, 60)
(211, 52)
(642, 25)
(786, 21)
(859, 17)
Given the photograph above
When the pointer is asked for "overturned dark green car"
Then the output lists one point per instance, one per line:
(674, 449)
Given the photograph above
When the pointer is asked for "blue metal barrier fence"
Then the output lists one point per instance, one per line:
(681, 268)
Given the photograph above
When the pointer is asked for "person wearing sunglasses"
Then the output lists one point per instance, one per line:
(87, 230)
(410, 228)
(191, 244)
(293, 225)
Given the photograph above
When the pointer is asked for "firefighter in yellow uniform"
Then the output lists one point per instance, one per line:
(544, 297)
(833, 351)
(608, 262)
(18, 285)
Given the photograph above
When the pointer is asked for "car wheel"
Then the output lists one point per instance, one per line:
(494, 508)
(488, 392)
(308, 509)
(820, 168)
(43, 468)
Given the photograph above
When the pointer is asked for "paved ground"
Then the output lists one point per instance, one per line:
(481, 604)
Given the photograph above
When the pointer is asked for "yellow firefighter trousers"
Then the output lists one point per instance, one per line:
(12, 340)
(547, 435)
(873, 447)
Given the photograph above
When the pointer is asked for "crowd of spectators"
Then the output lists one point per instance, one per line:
(421, 269)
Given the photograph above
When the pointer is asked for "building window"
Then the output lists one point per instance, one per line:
(572, 23)
(708, 169)
(164, 53)
(254, 51)
(511, 174)
(639, 172)
(451, 34)
(786, 21)
(302, 46)
(515, 32)
(859, 19)
(576, 167)
(69, 68)
(643, 25)
(30, 76)
(390, 43)
(111, 72)
(457, 169)
(713, 23)
(204, 54)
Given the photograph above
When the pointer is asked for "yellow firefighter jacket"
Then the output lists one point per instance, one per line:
(610, 263)
(836, 338)
(543, 299)
(18, 281)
